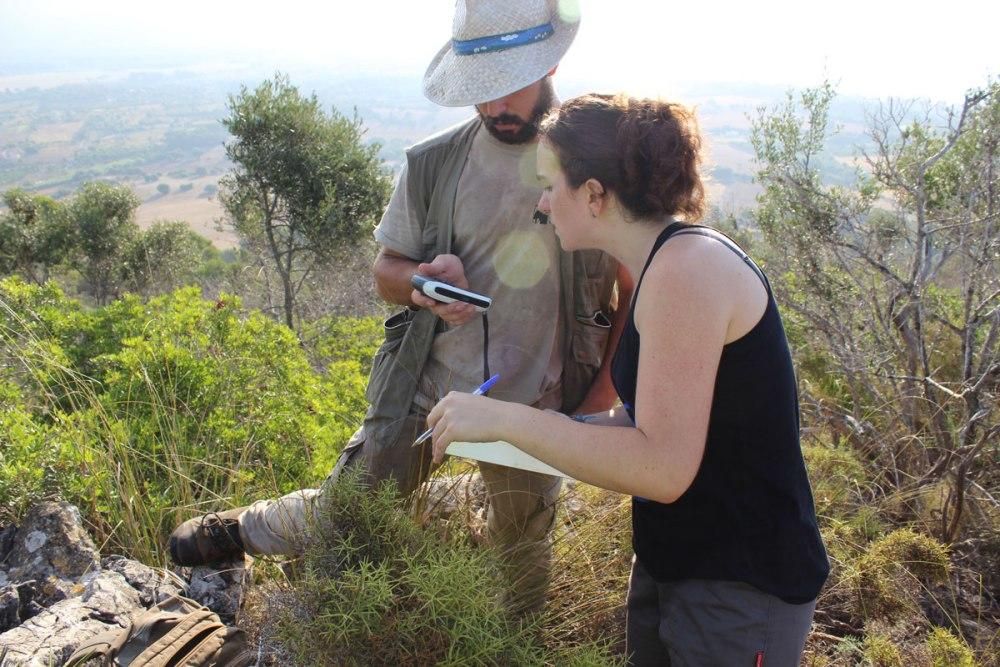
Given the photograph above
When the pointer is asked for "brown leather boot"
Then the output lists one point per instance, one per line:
(206, 539)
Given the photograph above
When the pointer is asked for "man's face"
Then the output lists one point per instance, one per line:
(514, 119)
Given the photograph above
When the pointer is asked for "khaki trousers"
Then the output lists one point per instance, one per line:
(520, 515)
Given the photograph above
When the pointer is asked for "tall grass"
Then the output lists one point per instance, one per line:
(143, 414)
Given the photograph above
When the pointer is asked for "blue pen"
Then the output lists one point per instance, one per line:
(483, 388)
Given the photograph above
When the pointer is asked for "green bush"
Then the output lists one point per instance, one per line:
(947, 650)
(377, 590)
(345, 347)
(836, 475)
(25, 460)
(891, 574)
(150, 411)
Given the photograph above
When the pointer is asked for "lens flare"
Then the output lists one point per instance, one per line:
(521, 259)
(569, 10)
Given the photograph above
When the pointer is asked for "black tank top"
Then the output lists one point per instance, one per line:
(748, 515)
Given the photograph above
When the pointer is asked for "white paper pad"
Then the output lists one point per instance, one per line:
(502, 453)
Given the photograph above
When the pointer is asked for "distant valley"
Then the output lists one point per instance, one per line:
(160, 132)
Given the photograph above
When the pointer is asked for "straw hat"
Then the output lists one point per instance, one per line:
(498, 47)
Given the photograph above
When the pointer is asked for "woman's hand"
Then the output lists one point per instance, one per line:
(462, 417)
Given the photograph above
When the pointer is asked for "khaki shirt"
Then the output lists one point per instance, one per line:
(507, 256)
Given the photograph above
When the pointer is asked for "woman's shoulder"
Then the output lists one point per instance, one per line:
(685, 271)
(696, 273)
(703, 279)
(691, 260)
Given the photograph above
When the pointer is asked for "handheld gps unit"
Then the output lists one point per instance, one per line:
(446, 293)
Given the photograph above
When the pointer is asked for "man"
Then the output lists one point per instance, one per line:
(464, 212)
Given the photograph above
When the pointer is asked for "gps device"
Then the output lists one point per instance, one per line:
(446, 293)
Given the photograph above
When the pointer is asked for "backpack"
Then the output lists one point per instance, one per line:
(177, 631)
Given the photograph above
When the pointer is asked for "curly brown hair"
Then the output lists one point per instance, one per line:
(647, 152)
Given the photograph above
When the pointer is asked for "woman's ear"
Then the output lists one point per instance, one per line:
(596, 200)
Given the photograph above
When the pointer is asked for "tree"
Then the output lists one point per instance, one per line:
(162, 258)
(34, 235)
(102, 216)
(895, 284)
(304, 185)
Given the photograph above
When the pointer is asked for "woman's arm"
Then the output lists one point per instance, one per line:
(683, 315)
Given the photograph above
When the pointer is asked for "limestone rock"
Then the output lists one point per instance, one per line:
(52, 549)
(442, 497)
(153, 585)
(221, 588)
(56, 593)
(17, 604)
(107, 601)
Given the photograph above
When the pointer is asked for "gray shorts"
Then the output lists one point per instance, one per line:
(703, 623)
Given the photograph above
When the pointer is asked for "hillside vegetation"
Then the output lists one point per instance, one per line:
(148, 377)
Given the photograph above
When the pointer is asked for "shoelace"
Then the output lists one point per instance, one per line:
(216, 527)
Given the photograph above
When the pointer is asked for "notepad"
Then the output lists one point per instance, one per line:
(502, 453)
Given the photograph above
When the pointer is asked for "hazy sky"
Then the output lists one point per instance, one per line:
(871, 47)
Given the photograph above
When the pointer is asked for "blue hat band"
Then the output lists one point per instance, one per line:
(510, 40)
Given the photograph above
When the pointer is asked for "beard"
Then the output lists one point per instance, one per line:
(526, 130)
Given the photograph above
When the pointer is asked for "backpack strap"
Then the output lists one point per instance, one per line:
(223, 647)
(175, 631)
(103, 646)
(177, 642)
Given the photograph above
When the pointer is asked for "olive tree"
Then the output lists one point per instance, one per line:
(162, 258)
(103, 219)
(304, 185)
(35, 235)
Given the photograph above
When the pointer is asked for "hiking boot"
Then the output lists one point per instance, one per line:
(207, 539)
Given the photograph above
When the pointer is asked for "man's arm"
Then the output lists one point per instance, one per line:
(602, 395)
(393, 271)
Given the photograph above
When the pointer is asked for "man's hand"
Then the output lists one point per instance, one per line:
(448, 269)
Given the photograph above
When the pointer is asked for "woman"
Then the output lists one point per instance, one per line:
(729, 559)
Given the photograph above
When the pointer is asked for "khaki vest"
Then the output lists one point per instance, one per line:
(434, 167)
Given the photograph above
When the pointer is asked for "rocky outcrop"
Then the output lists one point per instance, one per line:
(56, 592)
(51, 551)
(107, 600)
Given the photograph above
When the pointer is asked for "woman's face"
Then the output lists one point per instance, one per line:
(566, 206)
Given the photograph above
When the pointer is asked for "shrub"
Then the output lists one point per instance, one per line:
(836, 475)
(880, 651)
(377, 590)
(25, 460)
(345, 347)
(947, 650)
(183, 402)
(889, 576)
